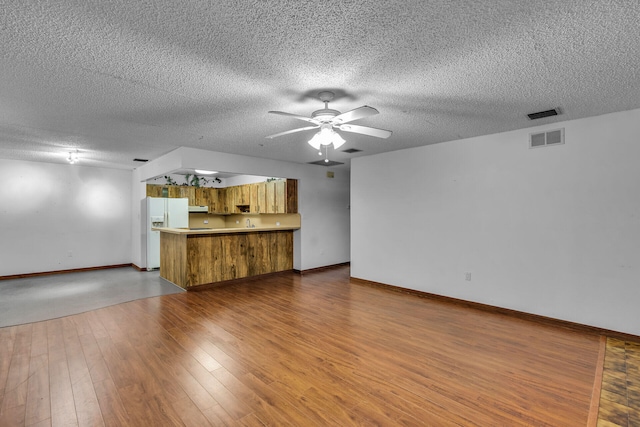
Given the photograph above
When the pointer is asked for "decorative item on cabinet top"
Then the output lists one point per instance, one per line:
(276, 196)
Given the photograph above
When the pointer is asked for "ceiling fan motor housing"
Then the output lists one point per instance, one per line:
(324, 115)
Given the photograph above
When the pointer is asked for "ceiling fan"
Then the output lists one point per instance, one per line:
(327, 120)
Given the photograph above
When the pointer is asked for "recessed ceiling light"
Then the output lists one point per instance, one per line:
(205, 172)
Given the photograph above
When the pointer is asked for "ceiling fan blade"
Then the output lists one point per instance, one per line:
(365, 130)
(358, 113)
(291, 131)
(296, 116)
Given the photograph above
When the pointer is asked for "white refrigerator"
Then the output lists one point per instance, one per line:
(162, 212)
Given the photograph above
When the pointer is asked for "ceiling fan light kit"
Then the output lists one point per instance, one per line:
(327, 120)
(326, 136)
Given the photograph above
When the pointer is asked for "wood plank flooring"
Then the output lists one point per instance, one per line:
(620, 391)
(311, 350)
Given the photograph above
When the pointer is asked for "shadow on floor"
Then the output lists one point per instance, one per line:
(40, 298)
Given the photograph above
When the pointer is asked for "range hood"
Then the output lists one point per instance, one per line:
(204, 209)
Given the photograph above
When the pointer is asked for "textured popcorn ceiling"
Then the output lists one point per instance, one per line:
(124, 79)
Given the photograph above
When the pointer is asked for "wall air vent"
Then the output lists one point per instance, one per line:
(323, 163)
(544, 139)
(543, 114)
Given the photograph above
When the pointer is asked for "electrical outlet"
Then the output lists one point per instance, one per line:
(206, 221)
(467, 277)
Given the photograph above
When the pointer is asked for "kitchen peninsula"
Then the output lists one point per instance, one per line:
(191, 258)
(243, 231)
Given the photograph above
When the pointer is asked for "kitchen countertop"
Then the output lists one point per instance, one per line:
(192, 231)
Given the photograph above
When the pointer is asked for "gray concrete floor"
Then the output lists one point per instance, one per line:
(48, 297)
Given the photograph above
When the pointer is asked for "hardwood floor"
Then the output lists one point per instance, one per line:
(620, 391)
(311, 350)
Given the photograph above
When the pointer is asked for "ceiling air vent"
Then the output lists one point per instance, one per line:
(543, 139)
(323, 163)
(543, 114)
(351, 150)
(140, 160)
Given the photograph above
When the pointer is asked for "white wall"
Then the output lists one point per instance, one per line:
(224, 182)
(50, 211)
(245, 179)
(180, 180)
(323, 202)
(553, 231)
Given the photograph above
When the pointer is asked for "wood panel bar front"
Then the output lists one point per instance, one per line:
(173, 258)
(189, 260)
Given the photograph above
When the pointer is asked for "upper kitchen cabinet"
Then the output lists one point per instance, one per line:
(172, 191)
(270, 197)
(223, 202)
(257, 197)
(154, 190)
(276, 203)
(281, 196)
(210, 197)
(189, 193)
(291, 196)
(278, 196)
(238, 198)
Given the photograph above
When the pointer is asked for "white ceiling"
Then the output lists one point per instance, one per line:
(126, 79)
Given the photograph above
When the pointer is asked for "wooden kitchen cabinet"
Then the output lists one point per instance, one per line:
(223, 201)
(253, 197)
(270, 197)
(242, 194)
(172, 191)
(189, 260)
(154, 190)
(257, 197)
(279, 201)
(279, 196)
(206, 196)
(188, 193)
(238, 198)
(201, 197)
(291, 196)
